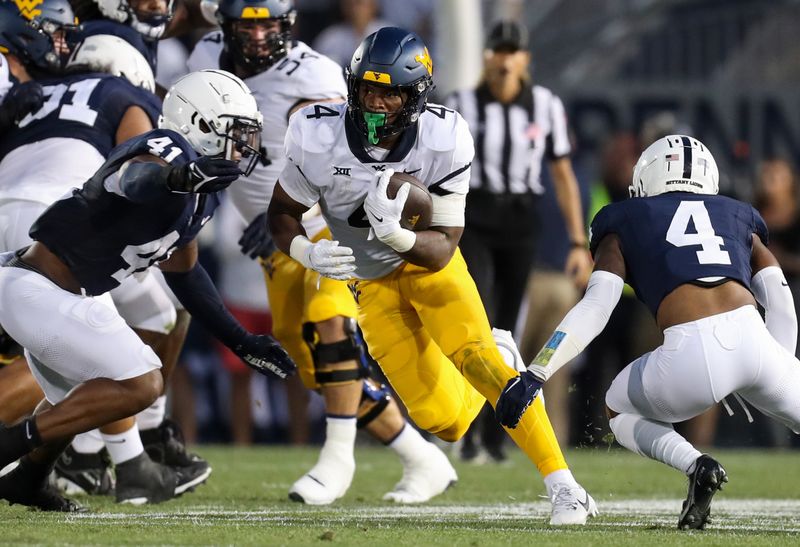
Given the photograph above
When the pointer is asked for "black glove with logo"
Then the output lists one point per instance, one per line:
(203, 175)
(21, 100)
(265, 355)
(517, 396)
(256, 240)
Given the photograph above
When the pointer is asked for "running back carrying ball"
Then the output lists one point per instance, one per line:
(418, 210)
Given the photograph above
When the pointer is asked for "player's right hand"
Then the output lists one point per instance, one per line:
(265, 355)
(23, 99)
(204, 175)
(327, 258)
(256, 240)
(516, 397)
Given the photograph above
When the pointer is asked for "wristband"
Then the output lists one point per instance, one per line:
(401, 240)
(298, 249)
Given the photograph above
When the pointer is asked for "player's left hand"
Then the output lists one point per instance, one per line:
(265, 355)
(22, 99)
(579, 266)
(516, 397)
(256, 240)
(384, 213)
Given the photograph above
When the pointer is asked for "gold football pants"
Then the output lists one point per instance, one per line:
(297, 296)
(430, 334)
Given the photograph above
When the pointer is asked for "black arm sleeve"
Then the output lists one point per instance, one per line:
(145, 181)
(200, 297)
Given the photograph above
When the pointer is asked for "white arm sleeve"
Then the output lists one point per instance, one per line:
(773, 293)
(581, 325)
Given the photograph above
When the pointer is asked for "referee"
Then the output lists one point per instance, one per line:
(516, 126)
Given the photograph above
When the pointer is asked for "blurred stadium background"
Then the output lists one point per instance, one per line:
(628, 71)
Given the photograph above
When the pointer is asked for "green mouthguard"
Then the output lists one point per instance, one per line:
(374, 121)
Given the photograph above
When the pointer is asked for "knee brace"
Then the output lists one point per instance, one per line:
(324, 355)
(375, 398)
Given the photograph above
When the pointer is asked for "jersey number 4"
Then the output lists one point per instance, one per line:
(678, 233)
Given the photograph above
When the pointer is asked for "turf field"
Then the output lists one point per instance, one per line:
(245, 502)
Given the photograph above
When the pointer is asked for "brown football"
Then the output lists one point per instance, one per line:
(418, 210)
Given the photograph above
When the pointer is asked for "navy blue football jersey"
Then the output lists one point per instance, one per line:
(104, 233)
(87, 106)
(679, 237)
(148, 48)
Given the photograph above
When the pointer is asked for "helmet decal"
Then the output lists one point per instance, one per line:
(424, 59)
(255, 12)
(29, 8)
(380, 77)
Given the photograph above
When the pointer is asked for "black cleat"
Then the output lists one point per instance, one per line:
(705, 480)
(142, 480)
(165, 444)
(78, 473)
(28, 484)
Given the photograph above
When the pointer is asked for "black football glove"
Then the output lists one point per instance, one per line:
(516, 397)
(21, 100)
(256, 240)
(265, 355)
(203, 175)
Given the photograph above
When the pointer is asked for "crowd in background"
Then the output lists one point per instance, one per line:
(216, 399)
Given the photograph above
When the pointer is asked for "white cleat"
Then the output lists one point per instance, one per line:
(425, 478)
(571, 505)
(326, 482)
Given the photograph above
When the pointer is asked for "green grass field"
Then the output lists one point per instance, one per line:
(245, 502)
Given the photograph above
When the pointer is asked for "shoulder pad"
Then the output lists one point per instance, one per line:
(316, 76)
(206, 52)
(605, 222)
(440, 128)
(314, 128)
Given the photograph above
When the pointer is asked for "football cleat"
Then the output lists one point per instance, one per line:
(27, 485)
(424, 478)
(77, 473)
(705, 480)
(572, 505)
(141, 480)
(328, 480)
(165, 444)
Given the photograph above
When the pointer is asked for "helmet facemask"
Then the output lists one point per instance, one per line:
(258, 54)
(376, 125)
(139, 15)
(242, 141)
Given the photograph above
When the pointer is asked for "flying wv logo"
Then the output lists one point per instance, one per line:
(29, 8)
(354, 290)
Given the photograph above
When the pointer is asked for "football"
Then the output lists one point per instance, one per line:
(418, 210)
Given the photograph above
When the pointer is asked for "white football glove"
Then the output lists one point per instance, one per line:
(325, 257)
(384, 214)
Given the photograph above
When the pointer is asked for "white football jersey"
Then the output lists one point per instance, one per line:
(327, 164)
(302, 75)
(5, 77)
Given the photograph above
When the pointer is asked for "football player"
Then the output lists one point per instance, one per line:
(314, 319)
(71, 134)
(152, 196)
(419, 309)
(699, 261)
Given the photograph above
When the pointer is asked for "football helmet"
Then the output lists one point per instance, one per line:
(151, 24)
(675, 163)
(258, 33)
(394, 58)
(216, 112)
(25, 40)
(113, 55)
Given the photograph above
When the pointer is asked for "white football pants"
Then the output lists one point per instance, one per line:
(702, 362)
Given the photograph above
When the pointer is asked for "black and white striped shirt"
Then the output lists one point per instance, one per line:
(511, 140)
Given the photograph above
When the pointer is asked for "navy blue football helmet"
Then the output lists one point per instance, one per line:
(26, 40)
(238, 19)
(394, 58)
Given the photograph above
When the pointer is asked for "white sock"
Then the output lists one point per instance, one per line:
(88, 443)
(409, 444)
(152, 416)
(561, 476)
(340, 432)
(656, 440)
(123, 446)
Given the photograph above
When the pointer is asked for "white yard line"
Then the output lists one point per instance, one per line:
(743, 515)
